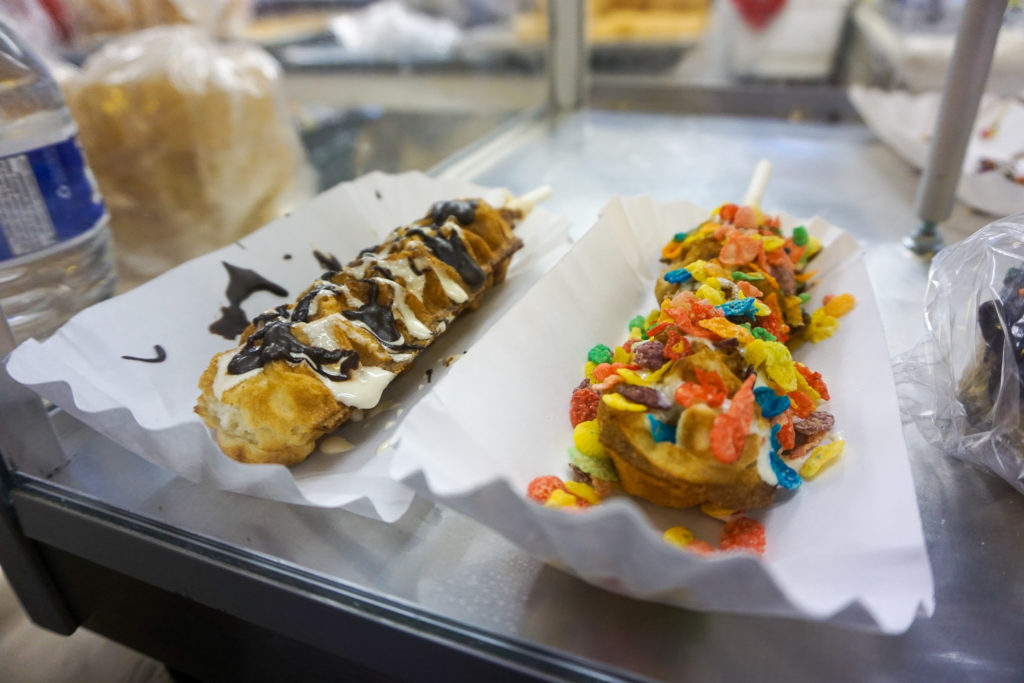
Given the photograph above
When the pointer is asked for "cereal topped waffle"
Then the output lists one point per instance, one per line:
(703, 403)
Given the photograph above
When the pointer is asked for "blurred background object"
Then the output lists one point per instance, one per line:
(191, 142)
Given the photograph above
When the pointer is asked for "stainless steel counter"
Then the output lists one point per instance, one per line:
(440, 567)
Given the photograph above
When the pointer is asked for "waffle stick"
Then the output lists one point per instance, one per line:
(306, 368)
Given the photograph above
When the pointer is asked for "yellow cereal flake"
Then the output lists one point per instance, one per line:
(621, 355)
(712, 510)
(585, 437)
(821, 457)
(560, 499)
(588, 371)
(840, 305)
(678, 536)
(774, 360)
(803, 386)
(813, 247)
(761, 309)
(710, 294)
(584, 491)
(773, 242)
(620, 402)
(792, 310)
(821, 327)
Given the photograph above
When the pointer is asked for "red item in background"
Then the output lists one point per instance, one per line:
(759, 13)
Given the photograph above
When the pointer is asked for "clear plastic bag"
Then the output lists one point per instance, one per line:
(963, 384)
(190, 141)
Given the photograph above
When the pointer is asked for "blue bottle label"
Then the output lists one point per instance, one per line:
(47, 195)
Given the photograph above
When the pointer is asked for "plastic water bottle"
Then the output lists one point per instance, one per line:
(55, 250)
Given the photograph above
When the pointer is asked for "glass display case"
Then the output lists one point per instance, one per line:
(223, 586)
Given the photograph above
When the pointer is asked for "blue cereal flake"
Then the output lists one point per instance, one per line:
(771, 403)
(678, 276)
(738, 307)
(660, 431)
(787, 476)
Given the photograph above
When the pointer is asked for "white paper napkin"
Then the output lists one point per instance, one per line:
(850, 538)
(147, 408)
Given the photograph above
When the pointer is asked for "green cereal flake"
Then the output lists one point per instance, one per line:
(600, 354)
(800, 236)
(749, 277)
(602, 468)
(804, 298)
(763, 334)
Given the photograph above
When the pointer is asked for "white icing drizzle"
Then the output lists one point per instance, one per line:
(332, 445)
(416, 328)
(223, 381)
(764, 463)
(363, 387)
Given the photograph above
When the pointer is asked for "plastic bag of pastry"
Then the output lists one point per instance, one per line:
(190, 142)
(963, 385)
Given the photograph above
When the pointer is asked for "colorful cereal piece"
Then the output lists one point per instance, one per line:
(583, 491)
(775, 360)
(678, 536)
(762, 334)
(588, 371)
(586, 437)
(660, 431)
(739, 307)
(800, 236)
(771, 403)
(748, 217)
(672, 250)
(602, 468)
(720, 513)
(637, 323)
(620, 402)
(600, 354)
(820, 458)
(678, 276)
(727, 330)
(773, 242)
(788, 478)
(801, 404)
(787, 435)
(739, 250)
(727, 212)
(560, 498)
(749, 289)
(840, 305)
(804, 297)
(822, 326)
(743, 534)
(752, 277)
(540, 488)
(583, 406)
(710, 294)
(621, 355)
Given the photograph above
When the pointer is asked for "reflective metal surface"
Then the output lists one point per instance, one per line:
(452, 567)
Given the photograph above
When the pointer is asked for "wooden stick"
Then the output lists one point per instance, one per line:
(755, 191)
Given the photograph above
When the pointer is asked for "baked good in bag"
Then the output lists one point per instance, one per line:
(303, 369)
(703, 403)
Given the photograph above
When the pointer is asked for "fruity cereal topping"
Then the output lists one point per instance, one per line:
(703, 403)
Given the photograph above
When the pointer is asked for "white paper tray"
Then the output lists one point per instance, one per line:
(147, 408)
(905, 123)
(850, 539)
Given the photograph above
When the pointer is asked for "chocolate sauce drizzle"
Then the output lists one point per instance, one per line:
(161, 356)
(377, 317)
(452, 251)
(328, 261)
(242, 283)
(463, 210)
(275, 341)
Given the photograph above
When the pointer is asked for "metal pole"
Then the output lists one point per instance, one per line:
(965, 84)
(567, 54)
